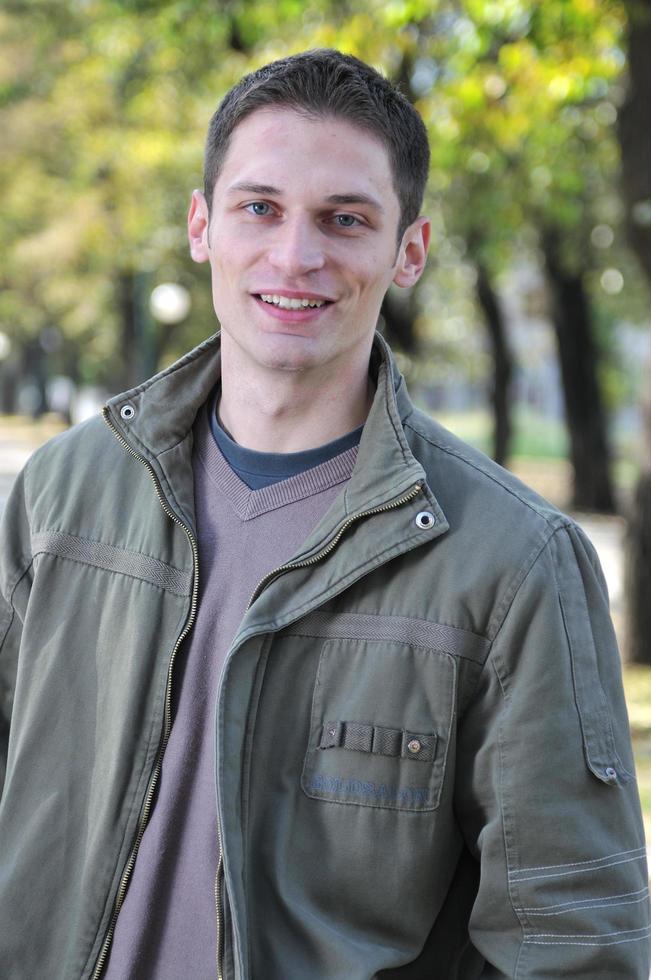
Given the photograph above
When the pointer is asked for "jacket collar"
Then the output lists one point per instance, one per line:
(156, 418)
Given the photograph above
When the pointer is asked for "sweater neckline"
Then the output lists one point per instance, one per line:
(249, 504)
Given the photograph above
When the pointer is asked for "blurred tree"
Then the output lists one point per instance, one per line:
(635, 138)
(524, 158)
(103, 107)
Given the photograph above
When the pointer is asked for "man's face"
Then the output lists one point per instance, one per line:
(302, 241)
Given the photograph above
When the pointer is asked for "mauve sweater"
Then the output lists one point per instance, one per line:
(166, 929)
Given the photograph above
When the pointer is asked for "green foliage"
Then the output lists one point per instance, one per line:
(104, 106)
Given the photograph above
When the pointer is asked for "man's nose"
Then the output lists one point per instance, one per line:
(298, 248)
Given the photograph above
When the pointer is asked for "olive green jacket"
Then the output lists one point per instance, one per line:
(424, 767)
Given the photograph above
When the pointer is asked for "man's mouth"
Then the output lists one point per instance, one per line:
(291, 302)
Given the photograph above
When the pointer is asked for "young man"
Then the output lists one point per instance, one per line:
(301, 686)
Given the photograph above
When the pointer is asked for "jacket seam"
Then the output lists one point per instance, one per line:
(392, 404)
(127, 551)
(339, 586)
(116, 571)
(507, 601)
(517, 583)
(150, 384)
(150, 457)
(247, 770)
(579, 708)
(119, 867)
(10, 602)
(450, 451)
(310, 636)
(507, 830)
(26, 561)
(193, 355)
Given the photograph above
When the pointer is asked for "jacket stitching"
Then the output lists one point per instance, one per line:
(435, 791)
(247, 770)
(582, 711)
(494, 658)
(615, 942)
(197, 353)
(150, 458)
(508, 838)
(390, 399)
(126, 551)
(566, 906)
(597, 903)
(341, 585)
(137, 794)
(376, 621)
(575, 864)
(596, 935)
(116, 571)
(10, 599)
(558, 520)
(289, 631)
(580, 871)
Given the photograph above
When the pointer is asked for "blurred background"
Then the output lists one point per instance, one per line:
(530, 334)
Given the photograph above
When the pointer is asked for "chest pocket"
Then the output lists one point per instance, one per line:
(380, 726)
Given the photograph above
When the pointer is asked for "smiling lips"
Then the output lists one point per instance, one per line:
(291, 302)
(292, 308)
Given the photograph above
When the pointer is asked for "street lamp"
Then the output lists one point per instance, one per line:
(169, 303)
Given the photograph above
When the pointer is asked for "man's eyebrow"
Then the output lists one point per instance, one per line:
(254, 188)
(355, 198)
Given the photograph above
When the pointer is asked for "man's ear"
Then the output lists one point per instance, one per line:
(198, 220)
(412, 253)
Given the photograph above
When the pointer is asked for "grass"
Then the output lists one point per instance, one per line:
(533, 436)
(637, 685)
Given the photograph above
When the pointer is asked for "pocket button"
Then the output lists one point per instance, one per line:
(414, 746)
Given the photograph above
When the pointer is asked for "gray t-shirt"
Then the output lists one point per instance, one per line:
(166, 929)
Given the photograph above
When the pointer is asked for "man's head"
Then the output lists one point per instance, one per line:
(308, 180)
(326, 83)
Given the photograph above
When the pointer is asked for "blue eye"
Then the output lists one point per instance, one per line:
(260, 208)
(346, 220)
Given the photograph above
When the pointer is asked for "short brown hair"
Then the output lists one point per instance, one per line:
(325, 82)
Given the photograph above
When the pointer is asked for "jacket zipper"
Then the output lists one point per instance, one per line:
(262, 584)
(219, 875)
(167, 723)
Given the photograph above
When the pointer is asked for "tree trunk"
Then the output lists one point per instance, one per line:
(502, 364)
(635, 133)
(635, 142)
(638, 559)
(399, 315)
(125, 298)
(137, 334)
(578, 356)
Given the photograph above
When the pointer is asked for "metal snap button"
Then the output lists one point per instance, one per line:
(611, 774)
(127, 412)
(414, 746)
(425, 519)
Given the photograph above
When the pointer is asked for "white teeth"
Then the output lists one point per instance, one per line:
(286, 303)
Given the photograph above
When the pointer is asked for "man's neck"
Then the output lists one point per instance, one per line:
(287, 412)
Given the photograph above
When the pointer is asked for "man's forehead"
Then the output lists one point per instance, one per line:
(347, 163)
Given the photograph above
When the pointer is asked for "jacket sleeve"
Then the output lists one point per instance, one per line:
(547, 798)
(15, 582)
